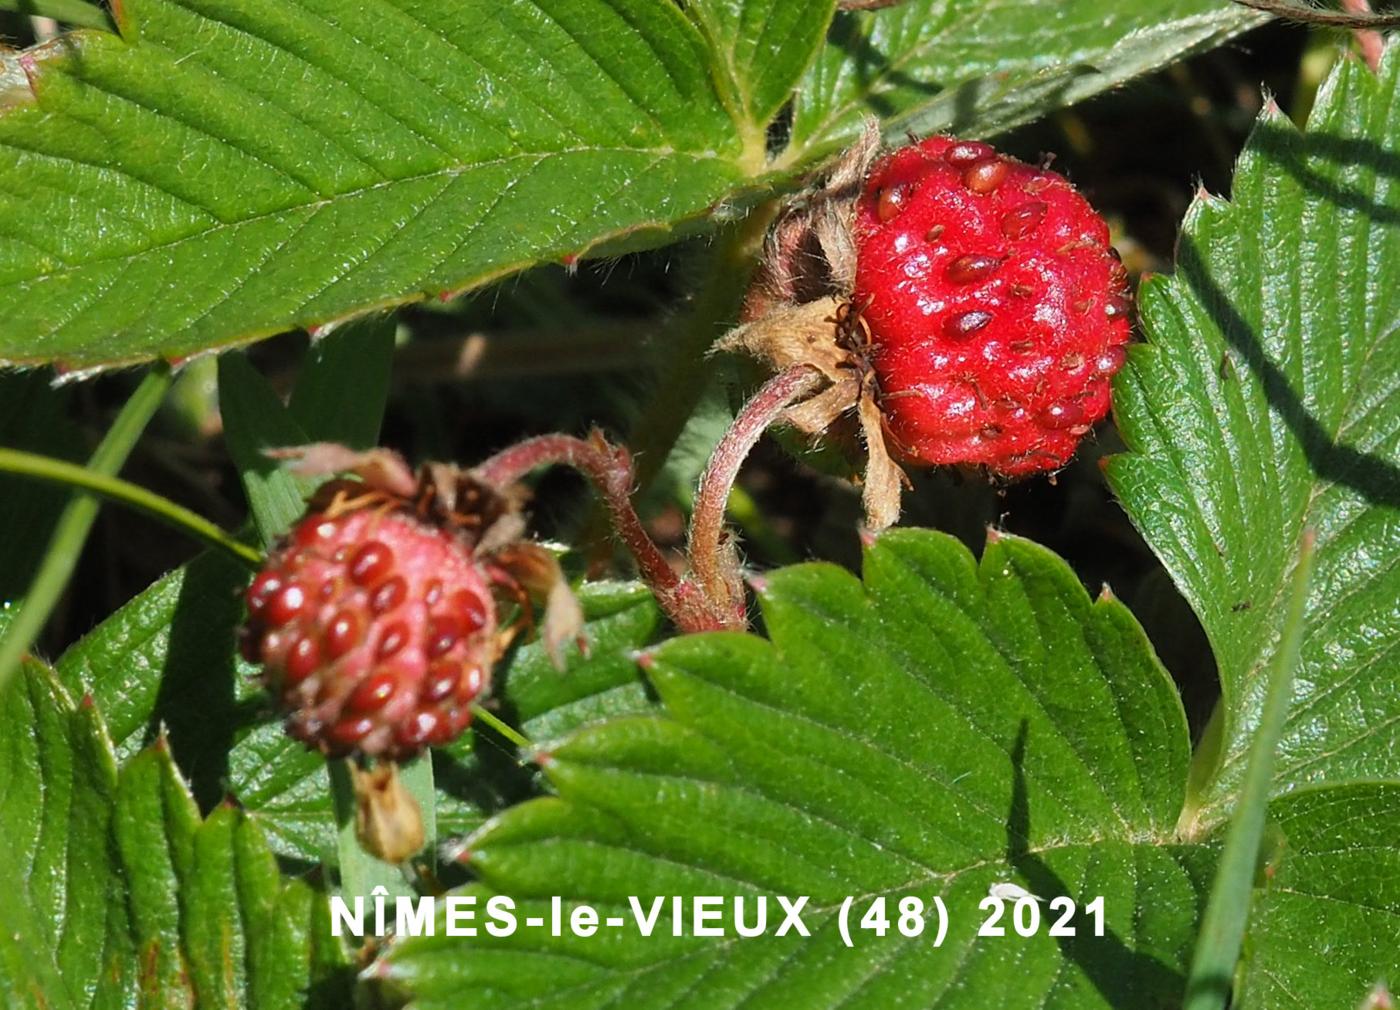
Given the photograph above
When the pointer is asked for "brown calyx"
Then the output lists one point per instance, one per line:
(799, 311)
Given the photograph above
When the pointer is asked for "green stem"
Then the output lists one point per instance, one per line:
(687, 374)
(1227, 913)
(93, 479)
(77, 13)
(506, 730)
(76, 519)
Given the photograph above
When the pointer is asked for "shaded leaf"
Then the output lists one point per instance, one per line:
(343, 385)
(977, 67)
(1266, 402)
(37, 418)
(255, 420)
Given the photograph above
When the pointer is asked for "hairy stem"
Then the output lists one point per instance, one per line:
(76, 519)
(687, 374)
(711, 561)
(1296, 10)
(92, 478)
(610, 469)
(686, 370)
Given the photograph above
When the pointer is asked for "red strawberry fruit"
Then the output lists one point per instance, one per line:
(375, 622)
(997, 310)
(375, 630)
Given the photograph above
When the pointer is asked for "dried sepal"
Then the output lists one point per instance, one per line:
(810, 252)
(388, 820)
(485, 516)
(790, 335)
(382, 469)
(411, 690)
(536, 571)
(884, 480)
(799, 312)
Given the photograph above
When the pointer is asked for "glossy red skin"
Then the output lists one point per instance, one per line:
(1018, 394)
(370, 689)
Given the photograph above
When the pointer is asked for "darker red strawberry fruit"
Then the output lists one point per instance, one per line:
(997, 309)
(375, 629)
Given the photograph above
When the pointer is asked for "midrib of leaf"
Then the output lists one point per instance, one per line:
(354, 144)
(953, 959)
(450, 173)
(729, 83)
(821, 914)
(306, 311)
(64, 883)
(908, 665)
(1061, 634)
(742, 42)
(951, 18)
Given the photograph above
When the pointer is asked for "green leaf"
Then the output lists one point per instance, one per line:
(939, 728)
(230, 170)
(1324, 923)
(621, 617)
(120, 893)
(166, 661)
(27, 980)
(55, 816)
(981, 66)
(255, 420)
(760, 49)
(343, 386)
(35, 417)
(1265, 403)
(225, 171)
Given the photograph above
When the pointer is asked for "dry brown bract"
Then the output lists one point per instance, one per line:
(799, 312)
(388, 820)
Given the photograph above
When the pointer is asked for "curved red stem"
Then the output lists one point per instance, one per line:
(609, 468)
(712, 562)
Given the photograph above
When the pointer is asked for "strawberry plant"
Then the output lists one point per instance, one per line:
(726, 503)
